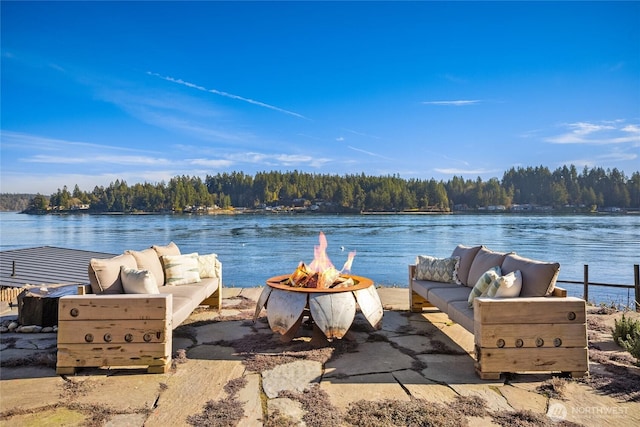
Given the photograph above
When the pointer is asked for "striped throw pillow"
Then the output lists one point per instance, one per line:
(181, 269)
(483, 283)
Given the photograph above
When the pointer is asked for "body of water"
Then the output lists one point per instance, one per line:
(253, 248)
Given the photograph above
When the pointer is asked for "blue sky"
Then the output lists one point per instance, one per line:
(98, 91)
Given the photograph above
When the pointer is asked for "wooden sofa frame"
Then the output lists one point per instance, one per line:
(125, 330)
(534, 334)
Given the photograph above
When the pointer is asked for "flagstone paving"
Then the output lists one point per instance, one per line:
(227, 359)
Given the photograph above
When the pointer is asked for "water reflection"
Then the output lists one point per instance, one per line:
(255, 247)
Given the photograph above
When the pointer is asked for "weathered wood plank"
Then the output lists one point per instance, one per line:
(370, 305)
(87, 355)
(531, 335)
(113, 331)
(529, 310)
(284, 309)
(533, 359)
(333, 313)
(110, 307)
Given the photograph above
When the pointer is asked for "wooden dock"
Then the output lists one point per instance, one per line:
(43, 265)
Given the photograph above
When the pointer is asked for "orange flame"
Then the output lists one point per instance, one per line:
(321, 267)
(346, 268)
(321, 261)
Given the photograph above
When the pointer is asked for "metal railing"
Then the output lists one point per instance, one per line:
(585, 282)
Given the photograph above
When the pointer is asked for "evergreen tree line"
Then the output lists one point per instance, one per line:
(589, 189)
(14, 201)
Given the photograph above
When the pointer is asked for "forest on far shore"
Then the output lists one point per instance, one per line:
(531, 187)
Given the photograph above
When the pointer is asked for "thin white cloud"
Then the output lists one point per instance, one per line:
(175, 113)
(617, 156)
(226, 94)
(603, 133)
(456, 171)
(616, 67)
(48, 182)
(340, 139)
(279, 159)
(212, 163)
(362, 134)
(464, 162)
(91, 159)
(455, 79)
(359, 150)
(454, 103)
(634, 129)
(27, 141)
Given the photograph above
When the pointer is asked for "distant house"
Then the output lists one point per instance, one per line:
(80, 207)
(522, 208)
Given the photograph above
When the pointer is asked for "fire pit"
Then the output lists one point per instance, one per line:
(329, 297)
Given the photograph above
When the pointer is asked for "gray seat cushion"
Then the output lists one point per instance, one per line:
(460, 313)
(422, 287)
(442, 297)
(187, 297)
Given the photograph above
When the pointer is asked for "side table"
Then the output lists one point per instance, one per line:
(38, 304)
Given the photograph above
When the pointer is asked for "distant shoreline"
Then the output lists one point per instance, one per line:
(303, 212)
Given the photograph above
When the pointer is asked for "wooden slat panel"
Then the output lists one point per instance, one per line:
(529, 310)
(572, 335)
(79, 355)
(117, 331)
(110, 307)
(533, 359)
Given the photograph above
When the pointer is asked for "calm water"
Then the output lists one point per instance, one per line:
(253, 248)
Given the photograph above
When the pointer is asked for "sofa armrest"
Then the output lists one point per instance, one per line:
(114, 330)
(416, 301)
(530, 334)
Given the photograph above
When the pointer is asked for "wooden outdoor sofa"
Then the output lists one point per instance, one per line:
(126, 316)
(528, 325)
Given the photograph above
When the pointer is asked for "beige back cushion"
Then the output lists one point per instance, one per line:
(466, 254)
(148, 260)
(171, 249)
(104, 274)
(484, 260)
(538, 278)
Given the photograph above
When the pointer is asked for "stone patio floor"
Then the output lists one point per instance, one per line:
(405, 361)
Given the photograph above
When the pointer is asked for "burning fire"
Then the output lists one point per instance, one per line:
(321, 273)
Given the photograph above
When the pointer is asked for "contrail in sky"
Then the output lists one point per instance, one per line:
(226, 94)
(456, 103)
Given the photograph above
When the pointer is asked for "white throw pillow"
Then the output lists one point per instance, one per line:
(136, 281)
(483, 284)
(181, 269)
(507, 286)
(209, 266)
